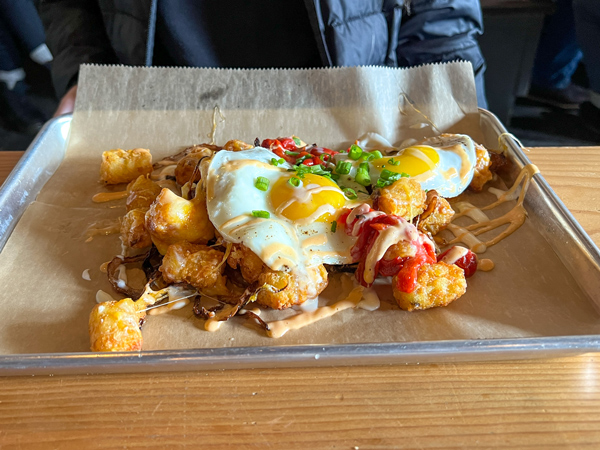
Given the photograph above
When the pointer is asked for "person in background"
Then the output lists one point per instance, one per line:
(260, 33)
(557, 57)
(587, 24)
(20, 28)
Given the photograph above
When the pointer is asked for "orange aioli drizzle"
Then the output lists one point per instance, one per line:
(103, 197)
(514, 218)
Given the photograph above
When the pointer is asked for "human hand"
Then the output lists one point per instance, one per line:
(67, 103)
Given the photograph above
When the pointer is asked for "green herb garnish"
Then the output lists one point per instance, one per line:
(261, 214)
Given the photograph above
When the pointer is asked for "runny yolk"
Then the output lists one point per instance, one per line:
(414, 160)
(314, 193)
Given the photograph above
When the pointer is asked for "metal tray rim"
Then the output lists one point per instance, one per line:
(297, 356)
(306, 355)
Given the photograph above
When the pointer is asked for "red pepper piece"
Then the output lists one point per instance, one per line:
(407, 276)
(391, 267)
(317, 161)
(308, 162)
(318, 151)
(270, 143)
(288, 144)
(468, 262)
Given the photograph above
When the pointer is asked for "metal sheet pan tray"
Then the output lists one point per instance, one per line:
(576, 251)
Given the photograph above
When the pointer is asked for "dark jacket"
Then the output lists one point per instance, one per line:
(348, 32)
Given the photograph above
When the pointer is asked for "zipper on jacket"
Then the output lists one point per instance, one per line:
(151, 32)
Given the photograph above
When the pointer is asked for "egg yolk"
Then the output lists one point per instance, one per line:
(414, 160)
(315, 193)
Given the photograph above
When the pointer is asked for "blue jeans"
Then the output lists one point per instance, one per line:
(558, 52)
(587, 22)
(20, 27)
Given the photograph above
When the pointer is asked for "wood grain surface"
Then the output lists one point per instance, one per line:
(528, 404)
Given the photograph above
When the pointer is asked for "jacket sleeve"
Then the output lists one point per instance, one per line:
(441, 31)
(75, 35)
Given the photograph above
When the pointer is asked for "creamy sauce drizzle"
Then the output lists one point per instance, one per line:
(102, 297)
(213, 130)
(164, 172)
(454, 254)
(238, 164)
(96, 229)
(103, 197)
(514, 218)
(316, 241)
(485, 265)
(213, 325)
(419, 154)
(280, 327)
(386, 238)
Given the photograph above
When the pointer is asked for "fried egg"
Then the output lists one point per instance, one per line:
(298, 232)
(445, 163)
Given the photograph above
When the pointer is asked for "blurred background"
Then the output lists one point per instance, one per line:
(525, 44)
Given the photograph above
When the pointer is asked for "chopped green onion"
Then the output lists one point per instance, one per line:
(362, 175)
(261, 214)
(376, 154)
(297, 141)
(393, 162)
(367, 157)
(287, 152)
(295, 182)
(335, 177)
(274, 162)
(317, 169)
(350, 193)
(343, 167)
(333, 226)
(387, 177)
(355, 152)
(262, 183)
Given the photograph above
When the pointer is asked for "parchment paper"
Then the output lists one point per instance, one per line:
(45, 302)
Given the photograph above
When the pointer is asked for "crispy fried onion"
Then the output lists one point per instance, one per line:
(342, 268)
(187, 151)
(226, 310)
(252, 316)
(499, 162)
(431, 202)
(151, 262)
(113, 271)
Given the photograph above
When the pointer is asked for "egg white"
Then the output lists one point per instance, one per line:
(281, 243)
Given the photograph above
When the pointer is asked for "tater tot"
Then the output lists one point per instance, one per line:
(173, 219)
(123, 166)
(482, 172)
(114, 326)
(133, 229)
(403, 198)
(236, 145)
(142, 193)
(186, 165)
(437, 216)
(250, 265)
(438, 284)
(197, 265)
(401, 249)
(295, 293)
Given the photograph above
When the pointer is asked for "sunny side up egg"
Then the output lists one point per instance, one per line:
(298, 232)
(445, 163)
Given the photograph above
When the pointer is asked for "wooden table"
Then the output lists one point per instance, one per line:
(535, 404)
